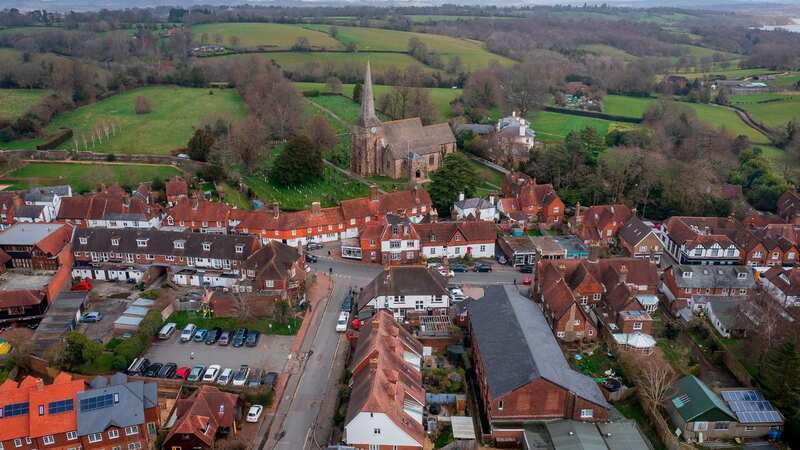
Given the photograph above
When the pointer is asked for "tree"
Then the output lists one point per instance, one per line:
(527, 86)
(247, 142)
(405, 102)
(298, 163)
(357, 92)
(281, 312)
(242, 306)
(653, 377)
(142, 105)
(320, 133)
(79, 350)
(456, 176)
(482, 89)
(21, 346)
(334, 85)
(200, 144)
(302, 44)
(780, 377)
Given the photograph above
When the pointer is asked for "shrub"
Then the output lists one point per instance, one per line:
(311, 93)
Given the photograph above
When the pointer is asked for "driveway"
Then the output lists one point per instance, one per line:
(270, 353)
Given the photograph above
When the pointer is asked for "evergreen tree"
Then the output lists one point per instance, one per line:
(454, 177)
(300, 162)
(780, 377)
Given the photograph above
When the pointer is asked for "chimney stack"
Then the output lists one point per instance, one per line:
(491, 199)
(373, 192)
(461, 196)
(522, 130)
(276, 209)
(578, 215)
(315, 208)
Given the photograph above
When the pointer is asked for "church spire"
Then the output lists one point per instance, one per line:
(367, 118)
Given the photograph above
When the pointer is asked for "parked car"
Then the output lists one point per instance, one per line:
(213, 335)
(241, 376)
(254, 413)
(525, 269)
(347, 303)
(138, 366)
(254, 380)
(200, 335)
(196, 373)
(313, 246)
(457, 295)
(167, 331)
(483, 267)
(311, 258)
(252, 338)
(224, 338)
(168, 370)
(434, 265)
(182, 373)
(239, 337)
(152, 370)
(212, 373)
(445, 272)
(225, 377)
(526, 281)
(269, 379)
(91, 317)
(341, 323)
(188, 332)
(458, 268)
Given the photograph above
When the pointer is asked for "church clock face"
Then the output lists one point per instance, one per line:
(373, 130)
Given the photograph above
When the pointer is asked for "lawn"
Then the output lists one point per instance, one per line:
(620, 105)
(182, 318)
(345, 108)
(26, 30)
(488, 174)
(552, 127)
(787, 82)
(720, 117)
(272, 35)
(389, 184)
(15, 102)
(176, 111)
(328, 190)
(236, 198)
(472, 53)
(773, 110)
(732, 73)
(85, 177)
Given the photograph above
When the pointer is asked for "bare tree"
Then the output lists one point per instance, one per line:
(653, 378)
(320, 133)
(527, 86)
(334, 85)
(244, 312)
(142, 105)
(21, 346)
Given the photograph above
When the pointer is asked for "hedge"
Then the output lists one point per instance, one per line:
(63, 135)
(597, 115)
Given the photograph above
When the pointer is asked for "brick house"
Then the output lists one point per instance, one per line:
(683, 284)
(407, 291)
(783, 285)
(176, 188)
(538, 202)
(197, 215)
(387, 397)
(109, 211)
(522, 374)
(457, 239)
(599, 224)
(703, 240)
(789, 207)
(35, 246)
(203, 417)
(640, 240)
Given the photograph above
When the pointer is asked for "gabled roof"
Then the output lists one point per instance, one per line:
(128, 400)
(403, 280)
(273, 260)
(404, 135)
(53, 420)
(379, 205)
(203, 412)
(517, 346)
(596, 218)
(49, 237)
(695, 401)
(634, 231)
(177, 186)
(199, 211)
(717, 276)
(439, 233)
(785, 279)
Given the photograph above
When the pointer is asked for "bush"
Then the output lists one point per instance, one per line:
(311, 93)
(111, 157)
(263, 396)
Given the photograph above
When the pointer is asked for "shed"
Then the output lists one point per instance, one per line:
(143, 302)
(127, 323)
(136, 311)
(463, 427)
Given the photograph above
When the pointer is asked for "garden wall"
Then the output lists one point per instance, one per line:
(64, 155)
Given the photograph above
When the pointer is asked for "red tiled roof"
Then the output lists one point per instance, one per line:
(53, 243)
(177, 186)
(21, 298)
(199, 211)
(37, 394)
(594, 219)
(206, 409)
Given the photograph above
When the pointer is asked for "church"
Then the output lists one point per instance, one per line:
(399, 149)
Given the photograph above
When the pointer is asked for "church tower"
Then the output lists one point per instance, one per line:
(365, 157)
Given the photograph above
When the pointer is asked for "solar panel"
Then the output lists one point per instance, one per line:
(60, 406)
(751, 407)
(15, 409)
(99, 402)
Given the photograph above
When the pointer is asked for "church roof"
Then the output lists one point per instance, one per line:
(409, 135)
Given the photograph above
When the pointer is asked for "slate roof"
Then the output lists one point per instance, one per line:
(46, 194)
(28, 233)
(131, 399)
(409, 135)
(785, 279)
(477, 203)
(403, 280)
(692, 399)
(29, 211)
(475, 128)
(634, 231)
(718, 276)
(574, 435)
(517, 346)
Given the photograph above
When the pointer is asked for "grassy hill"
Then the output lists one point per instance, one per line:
(620, 105)
(176, 111)
(273, 35)
(773, 110)
(720, 117)
(14, 102)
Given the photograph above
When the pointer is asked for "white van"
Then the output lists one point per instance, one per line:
(167, 331)
(188, 332)
(137, 366)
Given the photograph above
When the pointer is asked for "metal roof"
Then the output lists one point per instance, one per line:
(27, 233)
(136, 311)
(463, 427)
(623, 435)
(129, 320)
(573, 435)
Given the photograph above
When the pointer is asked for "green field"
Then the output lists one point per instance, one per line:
(701, 52)
(720, 117)
(272, 35)
(329, 190)
(620, 105)
(472, 53)
(176, 111)
(607, 50)
(26, 30)
(341, 61)
(345, 108)
(552, 127)
(492, 179)
(773, 110)
(85, 177)
(15, 102)
(788, 81)
(729, 74)
(443, 18)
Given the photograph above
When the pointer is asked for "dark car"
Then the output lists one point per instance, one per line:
(224, 338)
(168, 370)
(347, 304)
(254, 379)
(313, 246)
(152, 370)
(482, 267)
(252, 338)
(525, 269)
(269, 379)
(213, 336)
(458, 267)
(311, 258)
(200, 335)
(239, 337)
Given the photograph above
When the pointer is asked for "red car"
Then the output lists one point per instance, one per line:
(526, 281)
(182, 373)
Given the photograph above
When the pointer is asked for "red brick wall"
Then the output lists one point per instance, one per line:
(627, 326)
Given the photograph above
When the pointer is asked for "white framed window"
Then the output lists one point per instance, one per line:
(587, 413)
(590, 332)
(789, 255)
(151, 428)
(642, 249)
(376, 431)
(28, 440)
(170, 220)
(560, 334)
(135, 445)
(483, 248)
(637, 326)
(95, 437)
(116, 447)
(596, 297)
(72, 435)
(374, 446)
(49, 439)
(113, 433)
(239, 248)
(170, 258)
(130, 431)
(576, 322)
(749, 428)
(141, 242)
(83, 240)
(269, 283)
(18, 442)
(741, 275)
(206, 246)
(742, 291)
(115, 242)
(500, 405)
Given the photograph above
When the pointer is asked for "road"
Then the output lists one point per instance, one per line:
(299, 410)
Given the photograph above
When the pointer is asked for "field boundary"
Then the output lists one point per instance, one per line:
(593, 114)
(63, 156)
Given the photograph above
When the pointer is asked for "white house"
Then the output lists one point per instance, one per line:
(407, 291)
(783, 285)
(475, 239)
(516, 130)
(49, 197)
(479, 208)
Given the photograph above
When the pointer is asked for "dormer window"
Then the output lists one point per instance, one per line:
(741, 275)
(115, 242)
(687, 274)
(206, 246)
(178, 244)
(239, 248)
(83, 240)
(141, 242)
(170, 220)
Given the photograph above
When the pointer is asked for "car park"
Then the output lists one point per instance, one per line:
(167, 331)
(138, 366)
(200, 335)
(212, 373)
(196, 373)
(241, 375)
(341, 323)
(252, 338)
(254, 379)
(188, 332)
(91, 317)
(167, 370)
(269, 379)
(254, 413)
(182, 373)
(525, 269)
(225, 376)
(239, 337)
(483, 267)
(224, 338)
(152, 370)
(213, 336)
